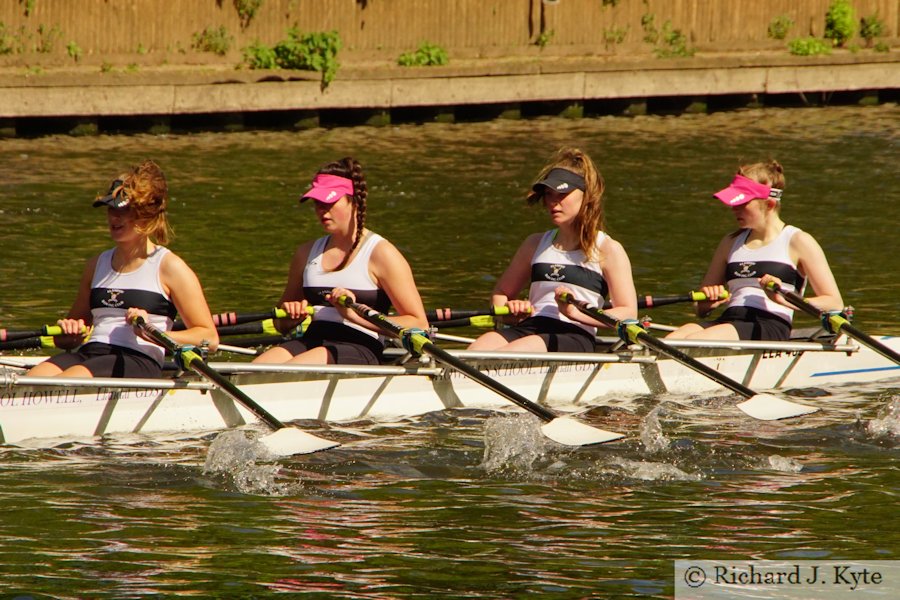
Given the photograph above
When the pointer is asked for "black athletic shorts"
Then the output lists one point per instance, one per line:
(559, 336)
(754, 324)
(106, 360)
(346, 345)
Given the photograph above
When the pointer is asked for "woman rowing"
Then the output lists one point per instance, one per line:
(348, 261)
(139, 277)
(577, 256)
(763, 250)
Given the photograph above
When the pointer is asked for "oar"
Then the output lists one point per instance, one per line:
(564, 430)
(41, 341)
(51, 330)
(441, 315)
(760, 406)
(232, 318)
(836, 322)
(284, 441)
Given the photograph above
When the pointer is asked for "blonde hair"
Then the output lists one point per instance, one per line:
(590, 220)
(148, 195)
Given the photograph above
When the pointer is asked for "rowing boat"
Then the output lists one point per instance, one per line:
(48, 410)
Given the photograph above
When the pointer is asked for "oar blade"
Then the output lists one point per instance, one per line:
(290, 440)
(569, 432)
(767, 407)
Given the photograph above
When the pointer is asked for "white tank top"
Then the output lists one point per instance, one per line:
(113, 293)
(354, 277)
(552, 267)
(745, 266)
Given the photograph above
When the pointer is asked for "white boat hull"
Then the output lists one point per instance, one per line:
(51, 410)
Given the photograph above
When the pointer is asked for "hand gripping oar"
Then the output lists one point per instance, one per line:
(284, 441)
(760, 406)
(564, 430)
(46, 330)
(835, 322)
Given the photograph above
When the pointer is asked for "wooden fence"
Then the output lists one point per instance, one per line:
(165, 28)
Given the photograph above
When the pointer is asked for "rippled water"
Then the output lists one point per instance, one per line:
(458, 503)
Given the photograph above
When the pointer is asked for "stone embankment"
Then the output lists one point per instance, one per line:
(157, 98)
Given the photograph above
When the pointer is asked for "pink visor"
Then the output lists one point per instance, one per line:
(742, 190)
(329, 188)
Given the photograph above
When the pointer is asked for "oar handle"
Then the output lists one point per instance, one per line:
(229, 319)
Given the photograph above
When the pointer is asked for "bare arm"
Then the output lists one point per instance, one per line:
(617, 271)
(515, 278)
(811, 261)
(391, 271)
(183, 286)
(714, 282)
(79, 315)
(292, 300)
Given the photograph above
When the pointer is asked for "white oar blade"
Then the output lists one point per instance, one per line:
(290, 440)
(570, 432)
(767, 407)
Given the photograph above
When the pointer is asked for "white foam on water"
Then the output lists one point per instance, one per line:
(887, 423)
(785, 464)
(652, 436)
(512, 444)
(236, 454)
(651, 471)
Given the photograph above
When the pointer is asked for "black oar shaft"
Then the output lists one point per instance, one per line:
(839, 323)
(195, 362)
(663, 348)
(379, 320)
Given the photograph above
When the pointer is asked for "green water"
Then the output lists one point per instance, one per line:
(420, 507)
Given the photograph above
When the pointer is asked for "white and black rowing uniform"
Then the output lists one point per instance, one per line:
(114, 349)
(346, 342)
(750, 311)
(550, 268)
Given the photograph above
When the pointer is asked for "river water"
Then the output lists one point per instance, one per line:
(463, 503)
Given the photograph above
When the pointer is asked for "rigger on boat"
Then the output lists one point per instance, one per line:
(49, 410)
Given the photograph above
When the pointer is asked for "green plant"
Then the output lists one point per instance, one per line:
(106, 67)
(141, 49)
(871, 28)
(779, 27)
(260, 56)
(246, 10)
(7, 41)
(544, 38)
(614, 35)
(840, 22)
(809, 46)
(315, 51)
(74, 51)
(651, 34)
(216, 41)
(882, 47)
(47, 37)
(674, 43)
(612, 3)
(426, 56)
(29, 6)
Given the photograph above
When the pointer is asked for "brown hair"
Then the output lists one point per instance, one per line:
(349, 168)
(590, 219)
(148, 195)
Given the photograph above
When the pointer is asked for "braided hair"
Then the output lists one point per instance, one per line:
(349, 168)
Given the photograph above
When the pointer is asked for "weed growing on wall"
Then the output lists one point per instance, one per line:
(316, 51)
(427, 55)
(840, 22)
(779, 27)
(216, 41)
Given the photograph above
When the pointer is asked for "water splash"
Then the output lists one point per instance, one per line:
(235, 454)
(785, 464)
(512, 444)
(887, 423)
(650, 471)
(652, 436)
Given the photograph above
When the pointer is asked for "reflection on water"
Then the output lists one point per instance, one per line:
(458, 503)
